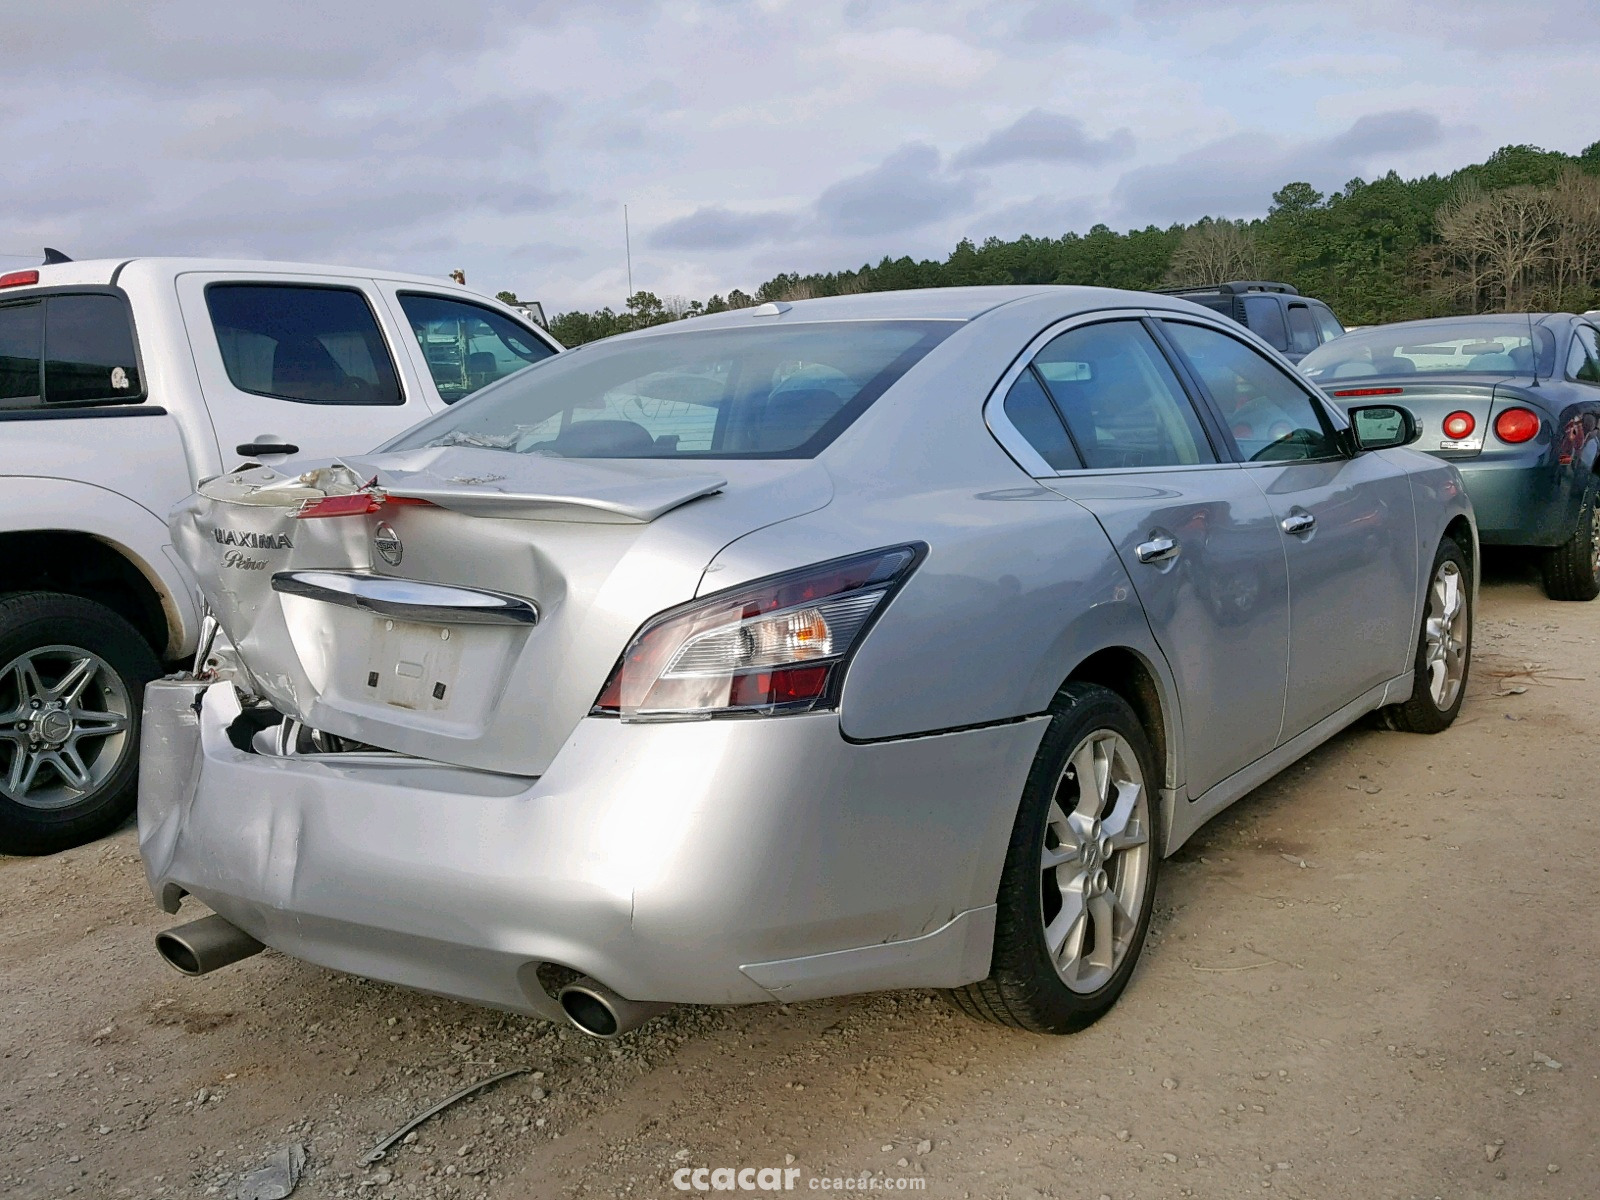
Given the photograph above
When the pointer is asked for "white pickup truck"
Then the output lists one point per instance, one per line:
(123, 383)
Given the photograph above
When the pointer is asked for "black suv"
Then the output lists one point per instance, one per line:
(1275, 312)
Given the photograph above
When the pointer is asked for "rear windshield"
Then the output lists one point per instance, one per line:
(1466, 347)
(763, 392)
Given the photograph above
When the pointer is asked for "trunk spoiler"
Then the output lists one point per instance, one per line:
(528, 488)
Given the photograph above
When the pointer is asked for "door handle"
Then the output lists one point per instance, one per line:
(1159, 548)
(251, 449)
(1300, 522)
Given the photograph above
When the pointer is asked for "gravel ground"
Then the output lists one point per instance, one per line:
(1374, 977)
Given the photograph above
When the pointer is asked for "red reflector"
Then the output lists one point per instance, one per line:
(393, 501)
(1369, 392)
(18, 278)
(1516, 425)
(1459, 425)
(354, 505)
(782, 686)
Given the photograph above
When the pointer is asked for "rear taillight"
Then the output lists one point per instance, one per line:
(776, 645)
(1459, 425)
(1516, 425)
(18, 278)
(354, 504)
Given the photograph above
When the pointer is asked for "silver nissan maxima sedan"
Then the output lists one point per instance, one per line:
(875, 642)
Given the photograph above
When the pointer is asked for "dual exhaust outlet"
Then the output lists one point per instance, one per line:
(202, 946)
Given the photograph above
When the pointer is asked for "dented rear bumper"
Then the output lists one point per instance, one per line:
(701, 862)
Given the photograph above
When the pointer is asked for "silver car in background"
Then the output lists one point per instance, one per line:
(874, 642)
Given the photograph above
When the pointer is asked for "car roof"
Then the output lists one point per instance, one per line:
(104, 270)
(924, 304)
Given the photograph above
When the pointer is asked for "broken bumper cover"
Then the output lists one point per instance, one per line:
(696, 862)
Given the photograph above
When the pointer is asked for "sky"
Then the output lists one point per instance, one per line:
(745, 137)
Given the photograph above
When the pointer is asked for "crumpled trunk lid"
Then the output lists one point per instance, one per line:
(373, 626)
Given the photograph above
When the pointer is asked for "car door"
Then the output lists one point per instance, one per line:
(1110, 426)
(296, 364)
(1348, 524)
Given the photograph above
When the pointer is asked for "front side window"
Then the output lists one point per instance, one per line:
(1303, 337)
(88, 350)
(466, 345)
(750, 392)
(21, 334)
(1271, 418)
(315, 345)
(1120, 399)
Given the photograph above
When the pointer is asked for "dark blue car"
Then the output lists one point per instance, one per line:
(1513, 400)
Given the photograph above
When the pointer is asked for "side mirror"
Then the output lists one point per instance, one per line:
(1382, 426)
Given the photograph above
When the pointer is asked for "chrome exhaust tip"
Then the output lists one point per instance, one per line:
(596, 1010)
(204, 945)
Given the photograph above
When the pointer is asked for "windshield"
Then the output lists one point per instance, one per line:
(1470, 346)
(764, 392)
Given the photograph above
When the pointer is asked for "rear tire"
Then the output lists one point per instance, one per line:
(1444, 648)
(1079, 879)
(72, 676)
(1572, 569)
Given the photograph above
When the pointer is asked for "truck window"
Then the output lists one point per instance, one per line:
(21, 329)
(1263, 316)
(468, 346)
(1327, 324)
(312, 344)
(88, 350)
(1303, 337)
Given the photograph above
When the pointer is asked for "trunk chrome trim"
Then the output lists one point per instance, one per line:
(408, 599)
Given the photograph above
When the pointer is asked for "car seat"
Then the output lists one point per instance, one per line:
(603, 439)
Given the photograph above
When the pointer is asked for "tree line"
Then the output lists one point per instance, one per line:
(1519, 231)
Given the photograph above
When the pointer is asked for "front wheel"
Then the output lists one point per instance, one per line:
(1080, 873)
(1572, 570)
(72, 676)
(1444, 649)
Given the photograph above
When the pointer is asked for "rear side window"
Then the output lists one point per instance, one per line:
(1327, 324)
(466, 345)
(21, 334)
(1271, 417)
(1303, 337)
(1264, 316)
(1120, 399)
(1584, 362)
(88, 350)
(1030, 411)
(316, 345)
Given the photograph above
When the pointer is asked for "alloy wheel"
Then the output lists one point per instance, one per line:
(1095, 862)
(1594, 539)
(1445, 656)
(65, 719)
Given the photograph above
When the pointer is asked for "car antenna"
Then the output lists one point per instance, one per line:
(1533, 352)
(53, 256)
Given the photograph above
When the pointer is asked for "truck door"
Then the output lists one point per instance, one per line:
(297, 365)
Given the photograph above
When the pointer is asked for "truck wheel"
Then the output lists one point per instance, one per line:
(72, 676)
(1572, 569)
(1080, 874)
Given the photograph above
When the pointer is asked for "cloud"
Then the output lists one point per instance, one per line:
(1235, 176)
(1054, 21)
(717, 228)
(905, 191)
(1045, 137)
(917, 55)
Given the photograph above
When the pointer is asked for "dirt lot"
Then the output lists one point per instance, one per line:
(1377, 976)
